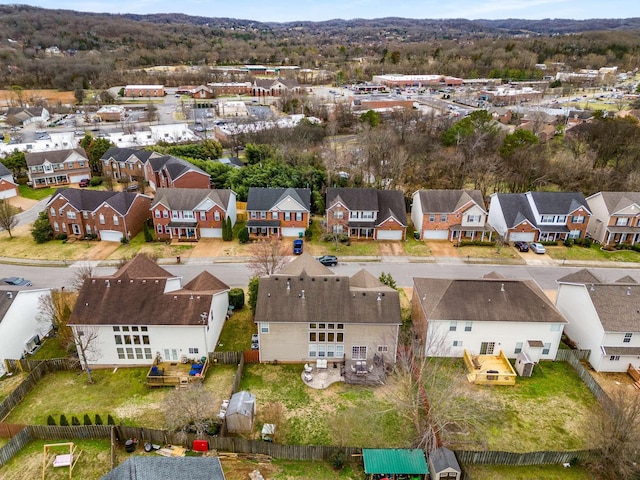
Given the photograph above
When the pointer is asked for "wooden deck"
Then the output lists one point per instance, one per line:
(489, 369)
(172, 374)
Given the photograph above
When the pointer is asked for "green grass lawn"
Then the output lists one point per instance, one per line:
(593, 253)
(544, 412)
(154, 249)
(51, 348)
(237, 331)
(22, 245)
(35, 193)
(341, 414)
(9, 383)
(415, 248)
(316, 470)
(538, 472)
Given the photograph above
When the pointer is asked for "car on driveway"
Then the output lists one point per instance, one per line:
(84, 182)
(298, 246)
(521, 246)
(17, 281)
(328, 260)
(537, 247)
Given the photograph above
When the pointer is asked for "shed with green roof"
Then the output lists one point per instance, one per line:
(395, 463)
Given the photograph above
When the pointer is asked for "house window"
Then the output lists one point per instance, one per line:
(139, 354)
(331, 350)
(546, 349)
(101, 219)
(134, 329)
(313, 337)
(118, 339)
(577, 219)
(358, 352)
(193, 350)
(298, 216)
(622, 221)
(627, 337)
(88, 228)
(120, 353)
(156, 213)
(147, 353)
(165, 214)
(518, 347)
(264, 327)
(125, 329)
(287, 216)
(432, 217)
(547, 219)
(115, 220)
(216, 216)
(254, 215)
(383, 348)
(561, 219)
(56, 227)
(338, 214)
(339, 229)
(468, 326)
(130, 354)
(555, 327)
(457, 343)
(575, 233)
(127, 339)
(263, 215)
(159, 228)
(71, 214)
(339, 351)
(203, 216)
(116, 329)
(85, 215)
(274, 215)
(313, 351)
(53, 212)
(453, 326)
(322, 350)
(614, 358)
(64, 227)
(443, 217)
(473, 218)
(145, 339)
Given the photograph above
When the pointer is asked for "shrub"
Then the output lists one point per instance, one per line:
(476, 243)
(124, 240)
(146, 231)
(51, 420)
(549, 244)
(41, 230)
(227, 230)
(337, 460)
(98, 420)
(236, 298)
(332, 237)
(387, 279)
(253, 292)
(110, 420)
(308, 234)
(86, 420)
(568, 242)
(243, 235)
(63, 421)
(95, 181)
(74, 421)
(61, 236)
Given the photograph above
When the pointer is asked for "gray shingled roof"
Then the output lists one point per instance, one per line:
(6, 301)
(616, 201)
(123, 154)
(559, 203)
(485, 300)
(89, 200)
(4, 170)
(174, 468)
(616, 305)
(388, 203)
(263, 199)
(443, 458)
(583, 276)
(325, 299)
(516, 209)
(54, 156)
(190, 198)
(305, 263)
(447, 201)
(140, 286)
(174, 166)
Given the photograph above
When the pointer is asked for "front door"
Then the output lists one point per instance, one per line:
(486, 348)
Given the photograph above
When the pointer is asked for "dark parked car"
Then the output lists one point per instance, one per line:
(297, 246)
(84, 182)
(17, 281)
(522, 246)
(328, 260)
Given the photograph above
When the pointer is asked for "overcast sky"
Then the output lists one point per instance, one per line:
(315, 10)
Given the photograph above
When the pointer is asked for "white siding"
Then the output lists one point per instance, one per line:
(496, 217)
(416, 212)
(596, 228)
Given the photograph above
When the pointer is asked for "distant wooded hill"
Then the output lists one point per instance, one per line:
(100, 50)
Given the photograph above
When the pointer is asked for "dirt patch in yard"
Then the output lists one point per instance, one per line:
(100, 251)
(443, 249)
(22, 203)
(391, 249)
(612, 382)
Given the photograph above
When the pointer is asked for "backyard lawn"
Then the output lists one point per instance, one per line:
(9, 384)
(345, 415)
(594, 253)
(237, 331)
(121, 393)
(539, 472)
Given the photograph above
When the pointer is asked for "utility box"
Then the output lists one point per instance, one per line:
(524, 365)
(200, 446)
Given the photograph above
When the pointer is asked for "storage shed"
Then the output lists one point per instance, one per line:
(444, 465)
(395, 463)
(241, 412)
(524, 365)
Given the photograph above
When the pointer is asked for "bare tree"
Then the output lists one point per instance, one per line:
(86, 339)
(82, 273)
(614, 432)
(8, 218)
(267, 257)
(193, 406)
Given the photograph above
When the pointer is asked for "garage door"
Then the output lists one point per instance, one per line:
(110, 235)
(522, 236)
(389, 235)
(292, 231)
(211, 232)
(435, 234)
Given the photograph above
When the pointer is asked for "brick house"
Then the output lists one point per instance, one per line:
(8, 186)
(171, 172)
(57, 167)
(539, 216)
(282, 212)
(192, 213)
(366, 213)
(125, 164)
(144, 91)
(616, 217)
(453, 215)
(110, 215)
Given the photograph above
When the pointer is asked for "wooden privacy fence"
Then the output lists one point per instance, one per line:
(564, 354)
(225, 358)
(470, 457)
(54, 364)
(14, 445)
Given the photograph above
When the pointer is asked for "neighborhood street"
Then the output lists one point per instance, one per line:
(238, 275)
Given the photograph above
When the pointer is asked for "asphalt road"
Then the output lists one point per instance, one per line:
(238, 275)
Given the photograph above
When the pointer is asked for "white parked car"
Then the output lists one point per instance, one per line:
(537, 247)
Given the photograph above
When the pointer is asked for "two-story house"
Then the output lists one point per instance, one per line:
(171, 172)
(57, 167)
(111, 216)
(125, 164)
(142, 312)
(453, 215)
(279, 212)
(366, 213)
(603, 318)
(539, 216)
(615, 218)
(192, 213)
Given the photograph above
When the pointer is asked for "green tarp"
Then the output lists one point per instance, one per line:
(394, 461)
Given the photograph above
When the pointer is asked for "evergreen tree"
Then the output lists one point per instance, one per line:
(51, 420)
(63, 421)
(87, 419)
(98, 420)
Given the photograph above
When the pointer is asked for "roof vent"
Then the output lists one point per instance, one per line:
(157, 281)
(628, 290)
(108, 284)
(93, 280)
(131, 281)
(288, 285)
(191, 297)
(9, 294)
(592, 288)
(175, 297)
(119, 281)
(379, 297)
(502, 287)
(302, 294)
(489, 300)
(144, 281)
